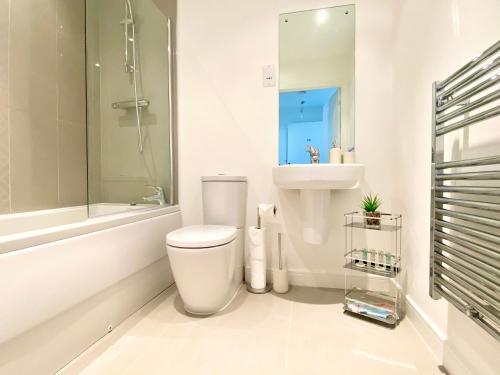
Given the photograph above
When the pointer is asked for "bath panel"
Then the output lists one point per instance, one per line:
(47, 279)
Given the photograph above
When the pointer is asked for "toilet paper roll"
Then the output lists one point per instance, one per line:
(256, 244)
(266, 211)
(258, 273)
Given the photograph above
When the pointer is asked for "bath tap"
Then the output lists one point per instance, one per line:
(313, 153)
(158, 197)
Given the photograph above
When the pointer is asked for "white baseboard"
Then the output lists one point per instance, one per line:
(317, 279)
(324, 279)
(433, 337)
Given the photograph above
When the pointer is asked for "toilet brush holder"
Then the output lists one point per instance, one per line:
(280, 281)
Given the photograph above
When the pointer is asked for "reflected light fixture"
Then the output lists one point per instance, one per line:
(321, 16)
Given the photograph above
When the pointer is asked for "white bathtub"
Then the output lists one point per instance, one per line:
(21, 230)
(27, 221)
(44, 273)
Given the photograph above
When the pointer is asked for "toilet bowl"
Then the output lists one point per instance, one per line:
(207, 260)
(207, 266)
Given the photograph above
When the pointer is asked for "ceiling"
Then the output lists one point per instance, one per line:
(311, 98)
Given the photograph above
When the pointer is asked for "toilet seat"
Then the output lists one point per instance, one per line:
(201, 236)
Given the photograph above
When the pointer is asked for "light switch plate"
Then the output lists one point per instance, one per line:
(268, 76)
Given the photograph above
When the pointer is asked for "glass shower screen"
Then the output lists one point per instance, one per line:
(128, 45)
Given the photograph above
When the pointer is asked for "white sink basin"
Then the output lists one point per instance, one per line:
(315, 182)
(318, 176)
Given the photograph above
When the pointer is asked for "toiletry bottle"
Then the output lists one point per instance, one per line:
(388, 260)
(373, 257)
(335, 154)
(365, 256)
(381, 261)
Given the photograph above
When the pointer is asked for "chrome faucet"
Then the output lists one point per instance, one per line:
(313, 153)
(158, 197)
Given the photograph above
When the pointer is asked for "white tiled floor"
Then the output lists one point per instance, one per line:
(302, 332)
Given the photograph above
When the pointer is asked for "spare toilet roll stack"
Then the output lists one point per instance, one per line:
(257, 251)
(257, 259)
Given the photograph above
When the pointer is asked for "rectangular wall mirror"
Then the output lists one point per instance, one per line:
(316, 83)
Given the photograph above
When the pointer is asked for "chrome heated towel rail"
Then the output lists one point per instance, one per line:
(465, 194)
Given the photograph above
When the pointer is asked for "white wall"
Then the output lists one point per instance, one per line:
(229, 123)
(431, 40)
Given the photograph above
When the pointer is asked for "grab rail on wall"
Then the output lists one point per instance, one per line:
(465, 196)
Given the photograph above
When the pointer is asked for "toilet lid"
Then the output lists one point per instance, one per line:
(201, 236)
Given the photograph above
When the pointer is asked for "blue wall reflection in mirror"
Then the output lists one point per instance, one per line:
(308, 117)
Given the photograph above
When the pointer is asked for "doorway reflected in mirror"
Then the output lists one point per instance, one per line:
(308, 118)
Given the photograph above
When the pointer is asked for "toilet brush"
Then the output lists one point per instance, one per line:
(280, 275)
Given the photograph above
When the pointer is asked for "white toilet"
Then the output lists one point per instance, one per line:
(207, 260)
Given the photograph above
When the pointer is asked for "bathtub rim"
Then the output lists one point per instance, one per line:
(23, 240)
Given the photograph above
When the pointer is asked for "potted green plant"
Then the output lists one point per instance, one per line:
(370, 205)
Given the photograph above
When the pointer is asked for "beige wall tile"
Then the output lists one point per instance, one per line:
(94, 107)
(71, 102)
(72, 164)
(4, 126)
(71, 60)
(4, 43)
(47, 105)
(32, 56)
(34, 164)
(4, 161)
(124, 190)
(33, 105)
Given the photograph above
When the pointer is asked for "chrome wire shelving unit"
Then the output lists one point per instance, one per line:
(465, 191)
(373, 266)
